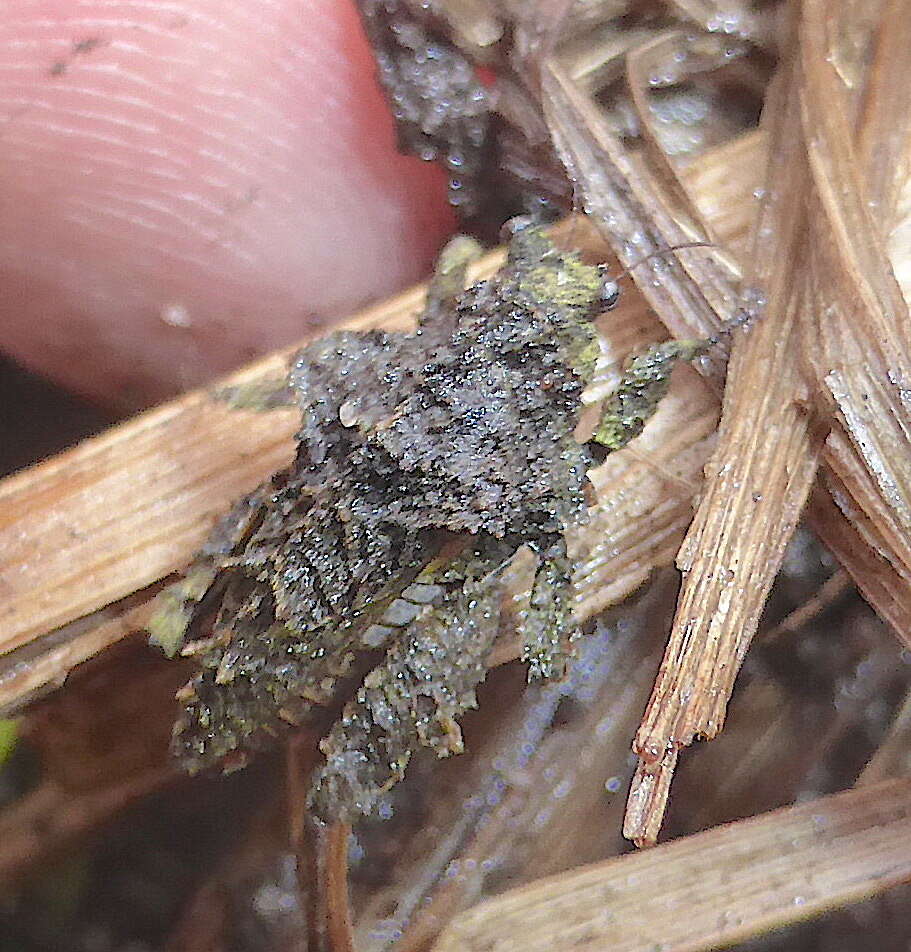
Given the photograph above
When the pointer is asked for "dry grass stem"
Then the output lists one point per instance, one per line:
(46, 661)
(893, 756)
(696, 291)
(711, 889)
(756, 485)
(334, 881)
(815, 204)
(856, 344)
(849, 537)
(838, 583)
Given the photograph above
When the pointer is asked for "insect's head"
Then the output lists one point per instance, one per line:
(551, 278)
(561, 279)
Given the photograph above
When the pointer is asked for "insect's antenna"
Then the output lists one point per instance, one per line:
(611, 290)
(661, 252)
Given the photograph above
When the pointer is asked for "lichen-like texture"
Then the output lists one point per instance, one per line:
(434, 472)
(644, 385)
(440, 106)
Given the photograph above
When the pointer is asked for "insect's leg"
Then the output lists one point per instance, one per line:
(547, 624)
(175, 608)
(448, 281)
(645, 382)
(414, 696)
(221, 724)
(178, 606)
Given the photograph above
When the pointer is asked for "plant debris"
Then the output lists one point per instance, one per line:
(644, 115)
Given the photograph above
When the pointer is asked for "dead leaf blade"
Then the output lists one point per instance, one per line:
(711, 889)
(756, 485)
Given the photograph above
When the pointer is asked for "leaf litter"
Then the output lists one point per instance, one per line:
(815, 397)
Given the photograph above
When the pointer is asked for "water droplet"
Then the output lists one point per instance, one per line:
(176, 314)
(562, 789)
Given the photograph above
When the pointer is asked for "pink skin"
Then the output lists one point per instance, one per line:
(185, 184)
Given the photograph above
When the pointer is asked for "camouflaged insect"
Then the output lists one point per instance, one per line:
(434, 472)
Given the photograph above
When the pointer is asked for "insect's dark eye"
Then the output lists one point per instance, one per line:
(610, 293)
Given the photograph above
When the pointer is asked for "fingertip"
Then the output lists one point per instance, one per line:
(201, 182)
